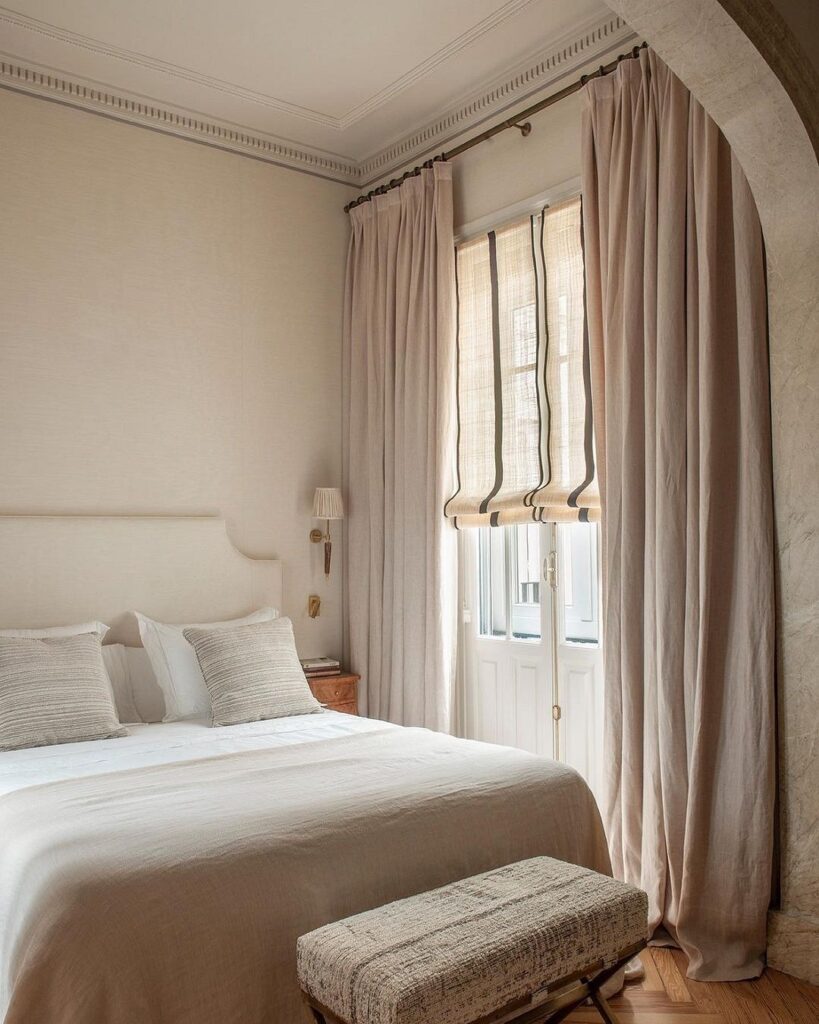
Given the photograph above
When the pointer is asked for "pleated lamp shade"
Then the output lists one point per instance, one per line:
(327, 503)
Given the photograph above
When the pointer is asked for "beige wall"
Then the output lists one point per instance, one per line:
(510, 168)
(170, 336)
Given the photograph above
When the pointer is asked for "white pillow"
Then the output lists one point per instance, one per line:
(57, 631)
(113, 657)
(136, 691)
(175, 664)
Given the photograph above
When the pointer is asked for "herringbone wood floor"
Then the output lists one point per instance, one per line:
(666, 996)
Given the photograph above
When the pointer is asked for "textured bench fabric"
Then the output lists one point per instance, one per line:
(467, 949)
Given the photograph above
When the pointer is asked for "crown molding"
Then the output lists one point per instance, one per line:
(122, 106)
(533, 75)
(325, 120)
(97, 46)
(414, 75)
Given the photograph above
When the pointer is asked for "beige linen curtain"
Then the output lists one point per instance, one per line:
(677, 317)
(398, 408)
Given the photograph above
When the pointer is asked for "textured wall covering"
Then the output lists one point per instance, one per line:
(170, 336)
(740, 91)
(512, 168)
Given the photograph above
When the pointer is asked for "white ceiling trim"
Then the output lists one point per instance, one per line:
(319, 117)
(154, 64)
(534, 74)
(119, 105)
(431, 63)
(522, 81)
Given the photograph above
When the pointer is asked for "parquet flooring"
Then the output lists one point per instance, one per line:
(666, 996)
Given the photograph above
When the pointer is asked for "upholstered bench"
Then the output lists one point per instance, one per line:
(527, 942)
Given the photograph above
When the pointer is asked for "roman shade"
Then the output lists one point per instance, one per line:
(525, 436)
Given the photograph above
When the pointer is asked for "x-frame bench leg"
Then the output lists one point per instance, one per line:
(567, 1001)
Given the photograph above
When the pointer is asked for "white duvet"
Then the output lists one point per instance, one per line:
(164, 878)
(165, 743)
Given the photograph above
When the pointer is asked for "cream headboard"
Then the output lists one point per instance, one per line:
(57, 570)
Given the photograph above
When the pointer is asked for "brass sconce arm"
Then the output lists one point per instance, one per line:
(327, 505)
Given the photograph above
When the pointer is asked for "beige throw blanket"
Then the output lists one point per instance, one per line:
(175, 894)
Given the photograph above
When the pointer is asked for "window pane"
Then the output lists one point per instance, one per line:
(525, 542)
(509, 581)
(492, 582)
(578, 582)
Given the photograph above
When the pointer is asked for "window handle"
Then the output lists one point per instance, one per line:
(550, 569)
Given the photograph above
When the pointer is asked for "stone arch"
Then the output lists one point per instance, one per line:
(745, 96)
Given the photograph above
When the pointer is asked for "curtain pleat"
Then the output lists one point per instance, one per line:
(398, 426)
(677, 320)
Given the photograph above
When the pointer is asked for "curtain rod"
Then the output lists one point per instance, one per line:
(520, 122)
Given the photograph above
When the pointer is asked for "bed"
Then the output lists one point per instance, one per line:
(165, 875)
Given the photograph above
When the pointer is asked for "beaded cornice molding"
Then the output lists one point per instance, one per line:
(524, 80)
(121, 106)
(519, 83)
(36, 27)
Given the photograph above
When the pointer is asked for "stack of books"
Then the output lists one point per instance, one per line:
(315, 667)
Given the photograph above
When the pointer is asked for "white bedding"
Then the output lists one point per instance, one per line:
(165, 743)
(165, 877)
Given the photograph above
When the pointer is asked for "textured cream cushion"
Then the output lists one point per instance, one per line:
(54, 690)
(175, 665)
(252, 672)
(464, 951)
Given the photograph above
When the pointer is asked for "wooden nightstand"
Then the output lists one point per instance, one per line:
(339, 693)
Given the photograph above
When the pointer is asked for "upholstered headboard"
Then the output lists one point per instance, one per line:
(62, 569)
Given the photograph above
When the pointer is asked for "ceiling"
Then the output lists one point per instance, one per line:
(349, 89)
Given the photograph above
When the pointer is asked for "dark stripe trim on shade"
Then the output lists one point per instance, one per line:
(498, 377)
(548, 479)
(588, 435)
(528, 497)
(457, 390)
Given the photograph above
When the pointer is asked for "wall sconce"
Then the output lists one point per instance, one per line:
(327, 505)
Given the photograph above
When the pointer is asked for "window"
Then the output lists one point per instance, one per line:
(578, 582)
(526, 485)
(509, 582)
(494, 603)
